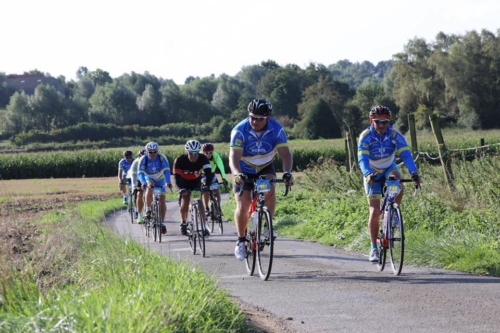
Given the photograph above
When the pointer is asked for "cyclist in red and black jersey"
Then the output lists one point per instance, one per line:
(187, 171)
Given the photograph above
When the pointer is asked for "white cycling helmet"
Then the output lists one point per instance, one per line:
(152, 146)
(192, 145)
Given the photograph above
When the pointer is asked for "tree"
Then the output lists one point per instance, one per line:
(113, 103)
(99, 77)
(226, 96)
(149, 106)
(19, 113)
(283, 87)
(48, 108)
(81, 72)
(200, 88)
(319, 122)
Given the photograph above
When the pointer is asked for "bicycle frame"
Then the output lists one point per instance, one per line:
(195, 233)
(391, 237)
(256, 240)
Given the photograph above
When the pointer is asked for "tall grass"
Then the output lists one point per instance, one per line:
(457, 229)
(87, 279)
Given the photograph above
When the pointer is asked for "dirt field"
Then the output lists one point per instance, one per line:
(36, 195)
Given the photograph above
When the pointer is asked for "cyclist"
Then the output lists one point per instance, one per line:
(377, 149)
(215, 162)
(253, 147)
(188, 172)
(132, 174)
(154, 170)
(123, 167)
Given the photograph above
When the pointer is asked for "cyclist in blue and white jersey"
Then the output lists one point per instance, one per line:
(255, 141)
(154, 170)
(132, 174)
(377, 149)
(123, 167)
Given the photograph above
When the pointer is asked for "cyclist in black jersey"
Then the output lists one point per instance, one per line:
(187, 171)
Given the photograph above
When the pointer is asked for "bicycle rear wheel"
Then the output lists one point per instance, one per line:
(265, 243)
(383, 244)
(131, 206)
(155, 225)
(218, 217)
(212, 215)
(159, 220)
(397, 241)
(191, 238)
(250, 253)
(200, 234)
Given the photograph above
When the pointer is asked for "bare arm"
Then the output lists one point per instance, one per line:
(235, 156)
(286, 158)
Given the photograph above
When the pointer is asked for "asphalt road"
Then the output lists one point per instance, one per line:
(316, 288)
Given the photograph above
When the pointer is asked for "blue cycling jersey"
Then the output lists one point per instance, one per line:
(125, 166)
(154, 169)
(376, 152)
(259, 149)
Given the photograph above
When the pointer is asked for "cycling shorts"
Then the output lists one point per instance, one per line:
(160, 182)
(376, 188)
(268, 170)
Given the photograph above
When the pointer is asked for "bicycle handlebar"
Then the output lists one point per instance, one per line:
(383, 180)
(253, 180)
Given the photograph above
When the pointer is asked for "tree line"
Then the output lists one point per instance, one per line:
(454, 76)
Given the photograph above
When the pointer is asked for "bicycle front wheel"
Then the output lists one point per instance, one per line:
(397, 240)
(265, 243)
(199, 226)
(250, 253)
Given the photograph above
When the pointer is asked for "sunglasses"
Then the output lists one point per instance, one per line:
(128, 157)
(258, 119)
(193, 153)
(383, 122)
(152, 152)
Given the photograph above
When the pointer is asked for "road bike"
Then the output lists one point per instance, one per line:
(391, 237)
(132, 195)
(215, 215)
(196, 227)
(259, 244)
(154, 222)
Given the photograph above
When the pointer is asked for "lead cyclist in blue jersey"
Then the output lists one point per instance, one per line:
(154, 170)
(377, 149)
(255, 141)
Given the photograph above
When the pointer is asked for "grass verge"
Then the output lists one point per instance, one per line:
(83, 278)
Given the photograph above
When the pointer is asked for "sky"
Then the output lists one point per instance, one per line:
(175, 39)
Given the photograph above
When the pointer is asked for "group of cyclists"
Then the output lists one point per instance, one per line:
(254, 144)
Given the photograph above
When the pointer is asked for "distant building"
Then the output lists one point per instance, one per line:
(28, 82)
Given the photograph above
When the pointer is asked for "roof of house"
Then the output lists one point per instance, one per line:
(28, 82)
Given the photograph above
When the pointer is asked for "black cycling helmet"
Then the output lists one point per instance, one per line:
(261, 107)
(208, 147)
(127, 153)
(380, 110)
(141, 152)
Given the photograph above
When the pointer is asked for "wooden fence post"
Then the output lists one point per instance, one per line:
(354, 148)
(443, 152)
(413, 137)
(347, 154)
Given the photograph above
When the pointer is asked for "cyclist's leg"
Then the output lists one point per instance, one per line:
(140, 198)
(373, 195)
(242, 206)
